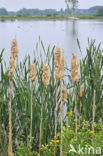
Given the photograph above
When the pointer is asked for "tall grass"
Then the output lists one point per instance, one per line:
(91, 77)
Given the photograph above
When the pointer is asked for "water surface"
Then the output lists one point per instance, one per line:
(62, 33)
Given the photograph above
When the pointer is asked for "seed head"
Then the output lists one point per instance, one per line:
(32, 72)
(11, 67)
(62, 63)
(63, 93)
(57, 63)
(57, 57)
(46, 75)
(14, 49)
(74, 68)
(14, 53)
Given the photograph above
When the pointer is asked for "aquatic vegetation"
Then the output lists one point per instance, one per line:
(53, 93)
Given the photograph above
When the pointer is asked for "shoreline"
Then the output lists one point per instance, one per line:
(13, 18)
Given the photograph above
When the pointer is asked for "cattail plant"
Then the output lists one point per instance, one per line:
(63, 99)
(57, 77)
(81, 94)
(57, 64)
(62, 63)
(14, 53)
(75, 77)
(45, 80)
(32, 78)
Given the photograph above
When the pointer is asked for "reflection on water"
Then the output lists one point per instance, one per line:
(62, 33)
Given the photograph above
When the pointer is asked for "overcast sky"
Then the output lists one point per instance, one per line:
(42, 4)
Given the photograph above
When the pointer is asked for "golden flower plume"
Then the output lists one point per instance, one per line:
(14, 49)
(14, 53)
(12, 67)
(46, 75)
(63, 93)
(57, 63)
(62, 63)
(74, 68)
(32, 72)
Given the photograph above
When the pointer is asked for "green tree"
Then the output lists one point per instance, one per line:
(73, 5)
(100, 12)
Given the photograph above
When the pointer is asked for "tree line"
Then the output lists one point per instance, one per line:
(71, 9)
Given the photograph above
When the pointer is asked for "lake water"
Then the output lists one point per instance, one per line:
(62, 33)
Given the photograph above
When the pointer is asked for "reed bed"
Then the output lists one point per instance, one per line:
(26, 110)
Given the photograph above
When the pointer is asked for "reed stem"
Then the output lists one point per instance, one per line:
(80, 109)
(10, 122)
(31, 111)
(56, 109)
(75, 110)
(93, 109)
(41, 121)
(61, 118)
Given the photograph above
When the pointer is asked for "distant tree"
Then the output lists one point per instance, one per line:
(72, 4)
(3, 12)
(100, 12)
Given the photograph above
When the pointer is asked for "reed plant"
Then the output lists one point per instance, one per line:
(62, 63)
(32, 77)
(57, 77)
(90, 77)
(14, 53)
(75, 77)
(45, 83)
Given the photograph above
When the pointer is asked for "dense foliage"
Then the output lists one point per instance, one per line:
(91, 77)
(100, 12)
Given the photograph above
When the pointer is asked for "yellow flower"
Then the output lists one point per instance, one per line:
(86, 145)
(57, 141)
(92, 132)
(58, 134)
(68, 126)
(79, 133)
(50, 143)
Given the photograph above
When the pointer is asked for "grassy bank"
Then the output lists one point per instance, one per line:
(90, 17)
(13, 18)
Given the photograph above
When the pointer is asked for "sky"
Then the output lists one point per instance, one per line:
(14, 5)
